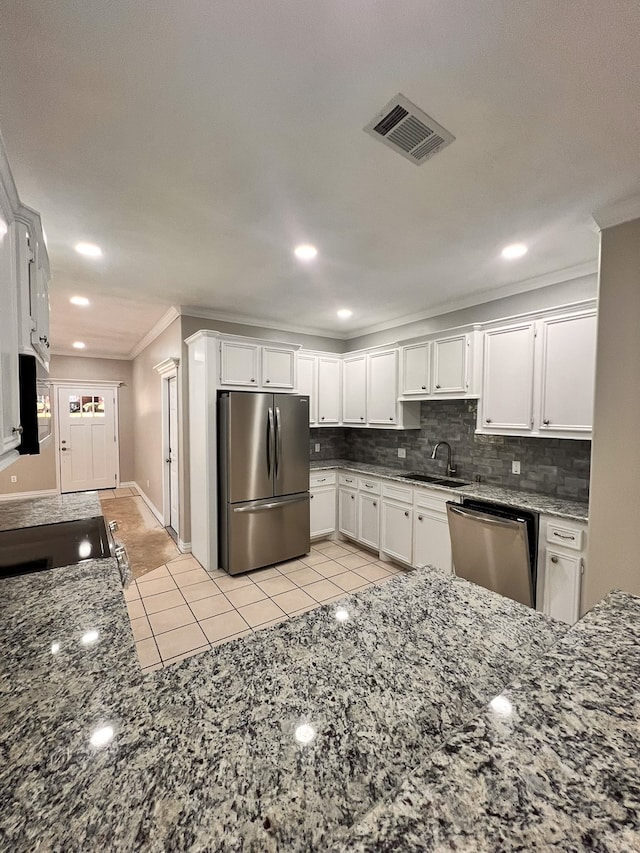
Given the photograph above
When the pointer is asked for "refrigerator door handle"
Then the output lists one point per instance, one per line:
(278, 439)
(269, 439)
(258, 507)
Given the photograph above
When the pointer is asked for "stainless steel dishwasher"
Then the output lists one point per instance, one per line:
(495, 546)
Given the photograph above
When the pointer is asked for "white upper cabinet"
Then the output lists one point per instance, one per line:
(248, 363)
(9, 393)
(278, 367)
(416, 369)
(450, 365)
(239, 363)
(568, 373)
(507, 393)
(382, 387)
(329, 374)
(307, 368)
(354, 389)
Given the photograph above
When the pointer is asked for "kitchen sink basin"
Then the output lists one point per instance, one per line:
(434, 480)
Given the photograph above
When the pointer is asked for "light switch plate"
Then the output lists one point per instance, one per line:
(515, 467)
(402, 453)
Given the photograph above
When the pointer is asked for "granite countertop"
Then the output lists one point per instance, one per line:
(408, 747)
(30, 512)
(560, 507)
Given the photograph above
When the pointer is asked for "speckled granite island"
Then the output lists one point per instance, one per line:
(430, 715)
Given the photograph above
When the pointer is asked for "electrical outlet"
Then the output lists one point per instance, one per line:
(402, 453)
(317, 447)
(147, 484)
(515, 467)
(14, 479)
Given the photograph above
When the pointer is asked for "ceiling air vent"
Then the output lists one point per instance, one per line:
(409, 131)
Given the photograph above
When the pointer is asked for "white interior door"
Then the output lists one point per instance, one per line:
(174, 492)
(87, 438)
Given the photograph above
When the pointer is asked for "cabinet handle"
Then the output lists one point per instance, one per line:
(253, 380)
(322, 418)
(437, 386)
(406, 515)
(267, 381)
(375, 503)
(419, 518)
(310, 497)
(554, 559)
(546, 421)
(18, 429)
(424, 387)
(369, 485)
(391, 418)
(488, 420)
(353, 497)
(361, 418)
(321, 480)
(562, 536)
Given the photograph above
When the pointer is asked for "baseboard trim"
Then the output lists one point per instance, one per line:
(148, 502)
(185, 547)
(130, 484)
(42, 493)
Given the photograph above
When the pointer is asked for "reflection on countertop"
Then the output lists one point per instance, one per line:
(560, 507)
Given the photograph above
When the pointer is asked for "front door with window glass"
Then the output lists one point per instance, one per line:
(87, 439)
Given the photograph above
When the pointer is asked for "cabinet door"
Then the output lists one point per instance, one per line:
(278, 367)
(369, 520)
(562, 586)
(9, 396)
(397, 524)
(307, 377)
(568, 373)
(322, 509)
(328, 390)
(239, 364)
(347, 519)
(382, 391)
(431, 542)
(450, 365)
(40, 310)
(508, 378)
(416, 363)
(354, 390)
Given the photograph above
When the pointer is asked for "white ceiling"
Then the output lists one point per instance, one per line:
(198, 142)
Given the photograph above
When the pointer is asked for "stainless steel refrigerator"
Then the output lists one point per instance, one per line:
(263, 457)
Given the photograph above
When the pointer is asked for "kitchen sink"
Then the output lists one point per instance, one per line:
(434, 480)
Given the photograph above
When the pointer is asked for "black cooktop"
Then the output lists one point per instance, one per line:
(48, 546)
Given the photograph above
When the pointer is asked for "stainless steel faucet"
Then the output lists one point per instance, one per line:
(451, 469)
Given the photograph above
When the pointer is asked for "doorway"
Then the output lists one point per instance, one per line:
(87, 438)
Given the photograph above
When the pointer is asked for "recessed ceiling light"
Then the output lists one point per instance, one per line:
(344, 313)
(79, 300)
(515, 250)
(79, 345)
(89, 249)
(306, 252)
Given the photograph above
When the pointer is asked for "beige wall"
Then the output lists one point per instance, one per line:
(190, 325)
(37, 473)
(565, 293)
(147, 415)
(614, 507)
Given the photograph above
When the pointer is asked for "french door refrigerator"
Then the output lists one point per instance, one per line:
(263, 458)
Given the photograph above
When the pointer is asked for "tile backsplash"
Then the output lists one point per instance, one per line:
(553, 466)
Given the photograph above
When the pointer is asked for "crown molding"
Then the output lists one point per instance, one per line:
(248, 320)
(621, 211)
(74, 353)
(482, 296)
(169, 366)
(89, 383)
(163, 323)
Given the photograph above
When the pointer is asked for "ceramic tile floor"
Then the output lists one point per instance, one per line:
(179, 609)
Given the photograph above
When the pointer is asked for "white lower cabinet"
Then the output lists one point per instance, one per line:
(369, 520)
(322, 511)
(562, 549)
(397, 530)
(431, 543)
(347, 515)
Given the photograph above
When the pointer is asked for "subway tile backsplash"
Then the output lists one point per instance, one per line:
(551, 466)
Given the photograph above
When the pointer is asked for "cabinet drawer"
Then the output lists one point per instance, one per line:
(397, 493)
(348, 480)
(371, 486)
(565, 535)
(436, 501)
(322, 478)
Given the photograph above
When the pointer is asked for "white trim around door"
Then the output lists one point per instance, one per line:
(168, 371)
